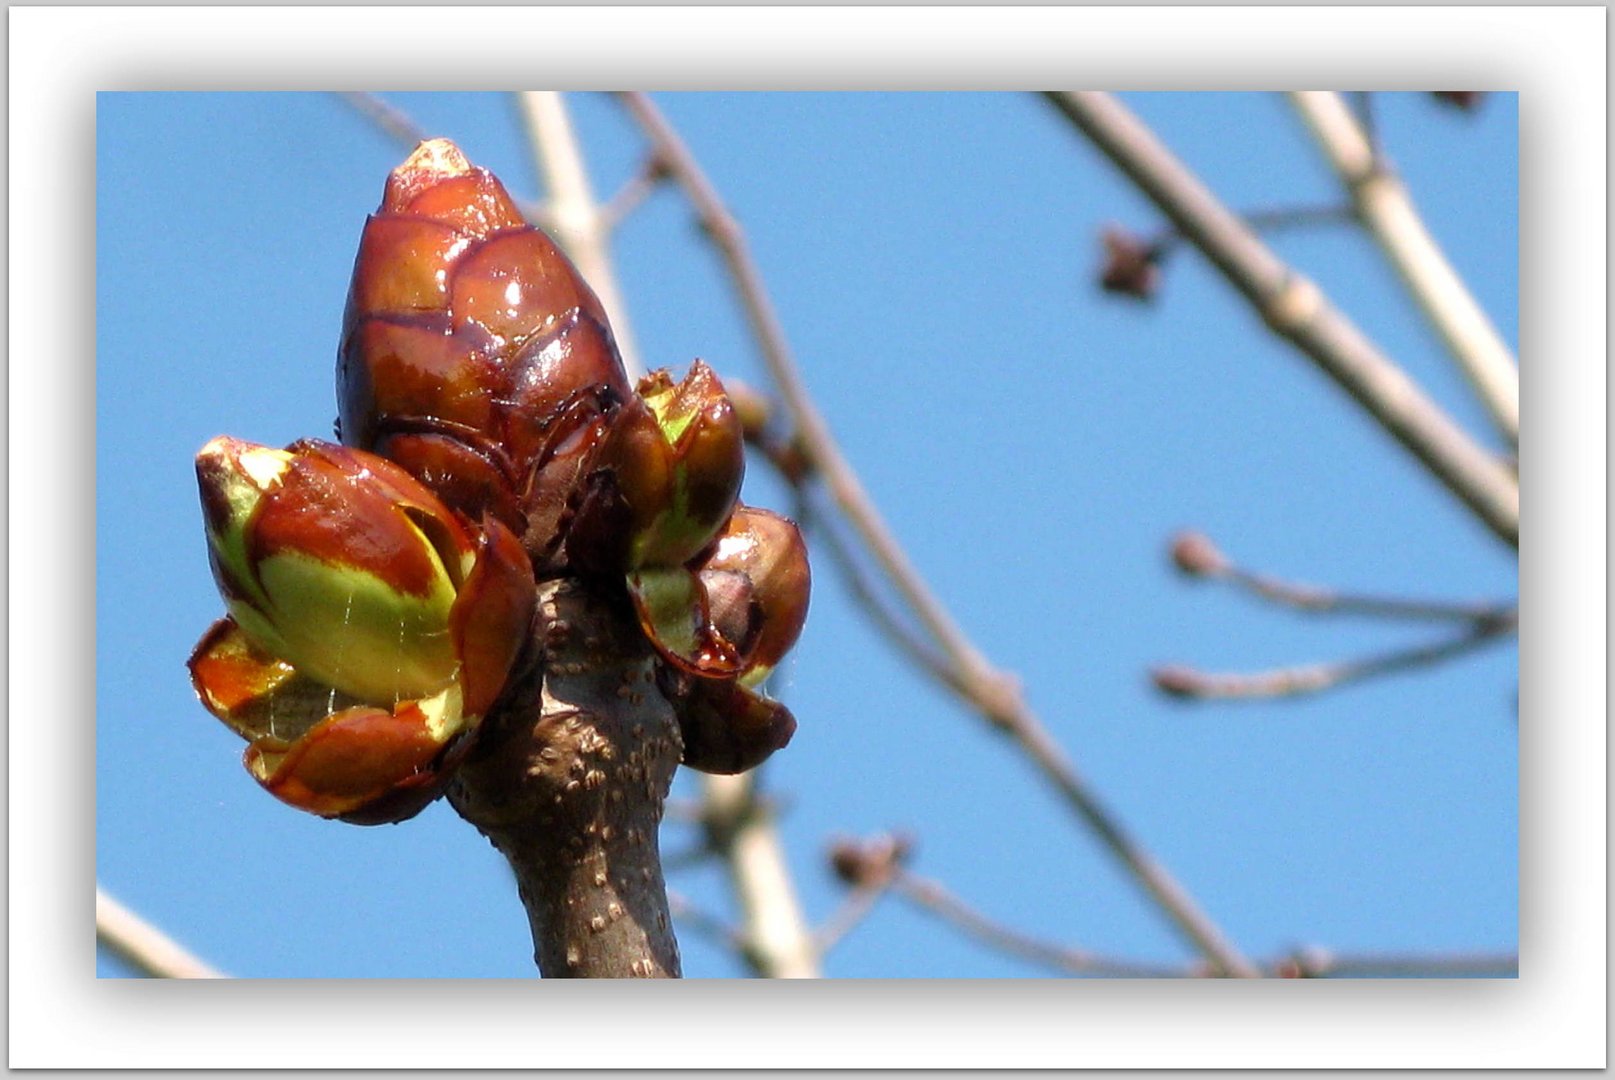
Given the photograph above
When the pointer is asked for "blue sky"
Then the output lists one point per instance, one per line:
(1032, 441)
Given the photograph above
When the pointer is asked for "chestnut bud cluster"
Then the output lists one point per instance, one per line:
(381, 592)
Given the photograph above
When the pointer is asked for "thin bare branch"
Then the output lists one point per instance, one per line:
(931, 897)
(824, 452)
(632, 194)
(1186, 682)
(1195, 555)
(1384, 205)
(854, 909)
(1277, 219)
(993, 693)
(388, 117)
(1298, 311)
(578, 223)
(144, 946)
(739, 828)
(705, 923)
(866, 592)
(1316, 963)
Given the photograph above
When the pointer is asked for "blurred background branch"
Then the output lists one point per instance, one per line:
(143, 946)
(1298, 311)
(993, 693)
(1384, 206)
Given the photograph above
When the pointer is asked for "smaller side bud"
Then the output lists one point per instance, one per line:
(1178, 681)
(1194, 554)
(676, 456)
(734, 611)
(1131, 266)
(870, 863)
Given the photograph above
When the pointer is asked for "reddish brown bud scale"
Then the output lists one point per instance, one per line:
(320, 507)
(349, 759)
(768, 551)
(491, 616)
(468, 342)
(726, 728)
(229, 674)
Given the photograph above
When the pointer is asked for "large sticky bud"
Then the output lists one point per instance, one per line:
(368, 628)
(737, 609)
(666, 477)
(471, 348)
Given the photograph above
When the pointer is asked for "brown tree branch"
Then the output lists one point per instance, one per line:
(568, 781)
(995, 694)
(931, 897)
(873, 867)
(1298, 311)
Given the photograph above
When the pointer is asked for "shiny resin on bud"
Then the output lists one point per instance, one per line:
(369, 626)
(472, 351)
(734, 611)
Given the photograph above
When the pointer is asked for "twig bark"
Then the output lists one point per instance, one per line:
(569, 783)
(757, 865)
(995, 694)
(1384, 205)
(1298, 311)
(142, 945)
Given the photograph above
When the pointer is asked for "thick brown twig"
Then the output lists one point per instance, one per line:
(142, 945)
(755, 859)
(568, 781)
(994, 693)
(1298, 311)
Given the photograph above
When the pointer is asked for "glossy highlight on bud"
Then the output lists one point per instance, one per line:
(368, 625)
(473, 354)
(736, 609)
(666, 478)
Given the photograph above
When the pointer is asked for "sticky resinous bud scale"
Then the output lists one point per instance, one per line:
(381, 592)
(349, 584)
